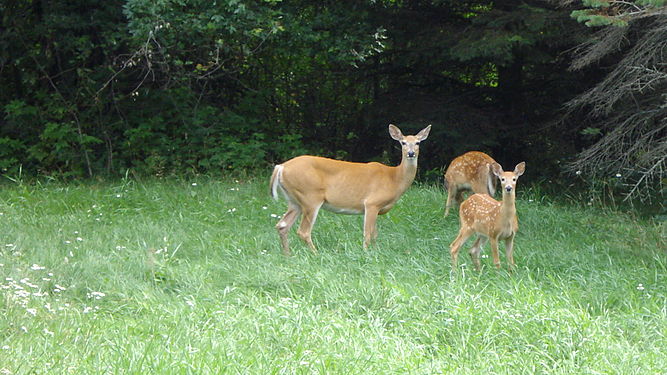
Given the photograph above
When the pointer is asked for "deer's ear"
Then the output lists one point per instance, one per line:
(395, 132)
(520, 168)
(496, 169)
(424, 133)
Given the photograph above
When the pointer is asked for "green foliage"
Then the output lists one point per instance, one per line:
(189, 86)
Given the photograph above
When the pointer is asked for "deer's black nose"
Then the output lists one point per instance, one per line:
(411, 154)
(508, 188)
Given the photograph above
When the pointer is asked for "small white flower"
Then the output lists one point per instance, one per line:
(87, 309)
(47, 332)
(68, 241)
(117, 195)
(264, 207)
(36, 267)
(79, 239)
(24, 329)
(9, 245)
(5, 347)
(274, 215)
(232, 210)
(194, 184)
(618, 175)
(640, 287)
(96, 295)
(190, 303)
(577, 173)
(32, 312)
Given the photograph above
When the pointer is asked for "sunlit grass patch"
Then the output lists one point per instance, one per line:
(175, 276)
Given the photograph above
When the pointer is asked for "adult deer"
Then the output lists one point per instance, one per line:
(470, 171)
(309, 183)
(491, 219)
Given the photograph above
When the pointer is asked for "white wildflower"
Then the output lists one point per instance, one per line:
(36, 267)
(640, 287)
(618, 175)
(194, 184)
(47, 332)
(32, 312)
(96, 295)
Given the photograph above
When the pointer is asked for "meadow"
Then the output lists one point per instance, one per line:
(187, 277)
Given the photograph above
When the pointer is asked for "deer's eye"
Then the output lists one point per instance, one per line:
(404, 143)
(514, 179)
(502, 179)
(417, 143)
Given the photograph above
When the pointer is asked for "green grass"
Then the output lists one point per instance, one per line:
(193, 281)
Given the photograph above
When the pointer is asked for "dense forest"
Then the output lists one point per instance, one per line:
(160, 87)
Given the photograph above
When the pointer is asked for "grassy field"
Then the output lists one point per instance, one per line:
(187, 277)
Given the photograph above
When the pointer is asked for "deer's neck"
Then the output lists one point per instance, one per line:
(507, 207)
(405, 173)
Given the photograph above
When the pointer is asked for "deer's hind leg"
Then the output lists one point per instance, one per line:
(285, 224)
(308, 216)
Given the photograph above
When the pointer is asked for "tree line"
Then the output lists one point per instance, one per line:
(194, 86)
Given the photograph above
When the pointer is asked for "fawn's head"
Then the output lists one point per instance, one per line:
(508, 179)
(409, 143)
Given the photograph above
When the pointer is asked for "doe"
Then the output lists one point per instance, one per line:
(309, 183)
(490, 219)
(470, 171)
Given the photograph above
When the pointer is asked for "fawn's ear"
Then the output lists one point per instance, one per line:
(520, 168)
(395, 132)
(496, 169)
(424, 133)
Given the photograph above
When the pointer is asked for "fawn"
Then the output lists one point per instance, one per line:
(470, 171)
(490, 219)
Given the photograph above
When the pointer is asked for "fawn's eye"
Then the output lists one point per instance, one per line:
(502, 179)
(404, 143)
(514, 179)
(417, 143)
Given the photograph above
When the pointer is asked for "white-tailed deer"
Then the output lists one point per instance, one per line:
(310, 183)
(470, 171)
(490, 219)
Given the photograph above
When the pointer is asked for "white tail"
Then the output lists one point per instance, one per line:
(311, 182)
(470, 171)
(491, 219)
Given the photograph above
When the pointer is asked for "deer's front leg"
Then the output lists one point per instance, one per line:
(494, 251)
(370, 224)
(509, 247)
